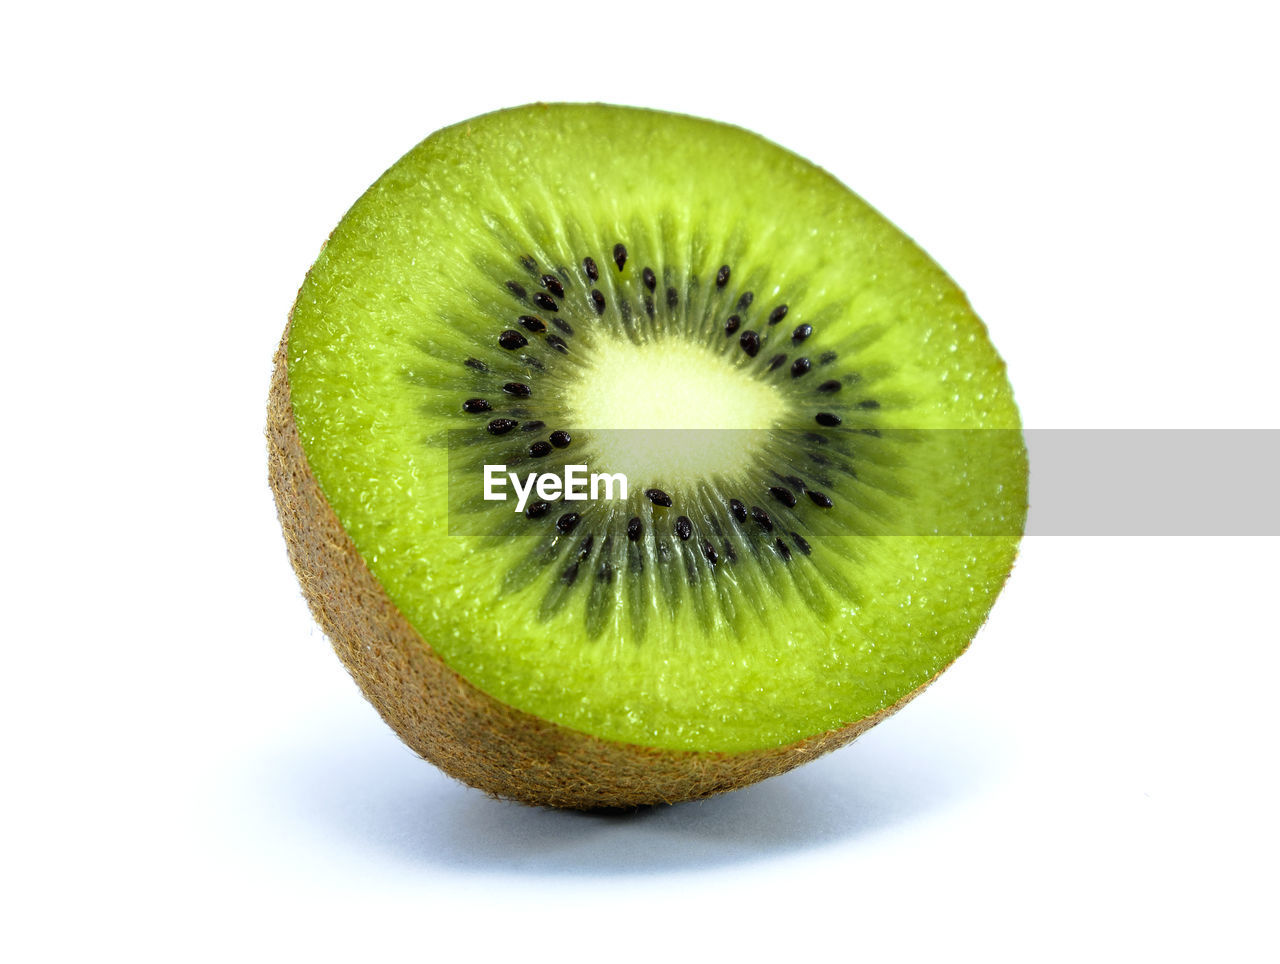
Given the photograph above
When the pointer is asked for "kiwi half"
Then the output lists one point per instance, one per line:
(826, 476)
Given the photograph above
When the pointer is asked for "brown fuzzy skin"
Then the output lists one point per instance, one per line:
(468, 734)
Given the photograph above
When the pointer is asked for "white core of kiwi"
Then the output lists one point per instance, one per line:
(641, 393)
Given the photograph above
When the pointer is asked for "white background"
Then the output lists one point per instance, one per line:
(188, 770)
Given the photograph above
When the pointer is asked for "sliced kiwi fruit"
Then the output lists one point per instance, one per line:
(826, 475)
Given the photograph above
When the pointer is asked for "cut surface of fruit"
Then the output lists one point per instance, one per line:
(825, 471)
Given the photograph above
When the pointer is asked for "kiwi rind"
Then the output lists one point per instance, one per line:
(437, 713)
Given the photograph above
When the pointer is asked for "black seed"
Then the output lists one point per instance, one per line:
(658, 497)
(777, 314)
(560, 438)
(800, 367)
(556, 342)
(606, 572)
(619, 255)
(540, 450)
(533, 362)
(762, 518)
(750, 343)
(570, 574)
(537, 510)
(597, 299)
(536, 325)
(562, 325)
(501, 426)
(801, 544)
(634, 528)
(650, 279)
(827, 357)
(783, 550)
(745, 301)
(776, 362)
(801, 333)
(589, 266)
(511, 340)
(731, 325)
(684, 527)
(585, 549)
(673, 297)
(729, 552)
(709, 551)
(476, 405)
(476, 364)
(722, 276)
(530, 265)
(567, 521)
(545, 301)
(868, 403)
(829, 419)
(552, 284)
(785, 496)
(820, 499)
(738, 509)
(829, 387)
(516, 289)
(794, 480)
(532, 426)
(648, 306)
(518, 389)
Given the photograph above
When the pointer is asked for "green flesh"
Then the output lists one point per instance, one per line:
(665, 649)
